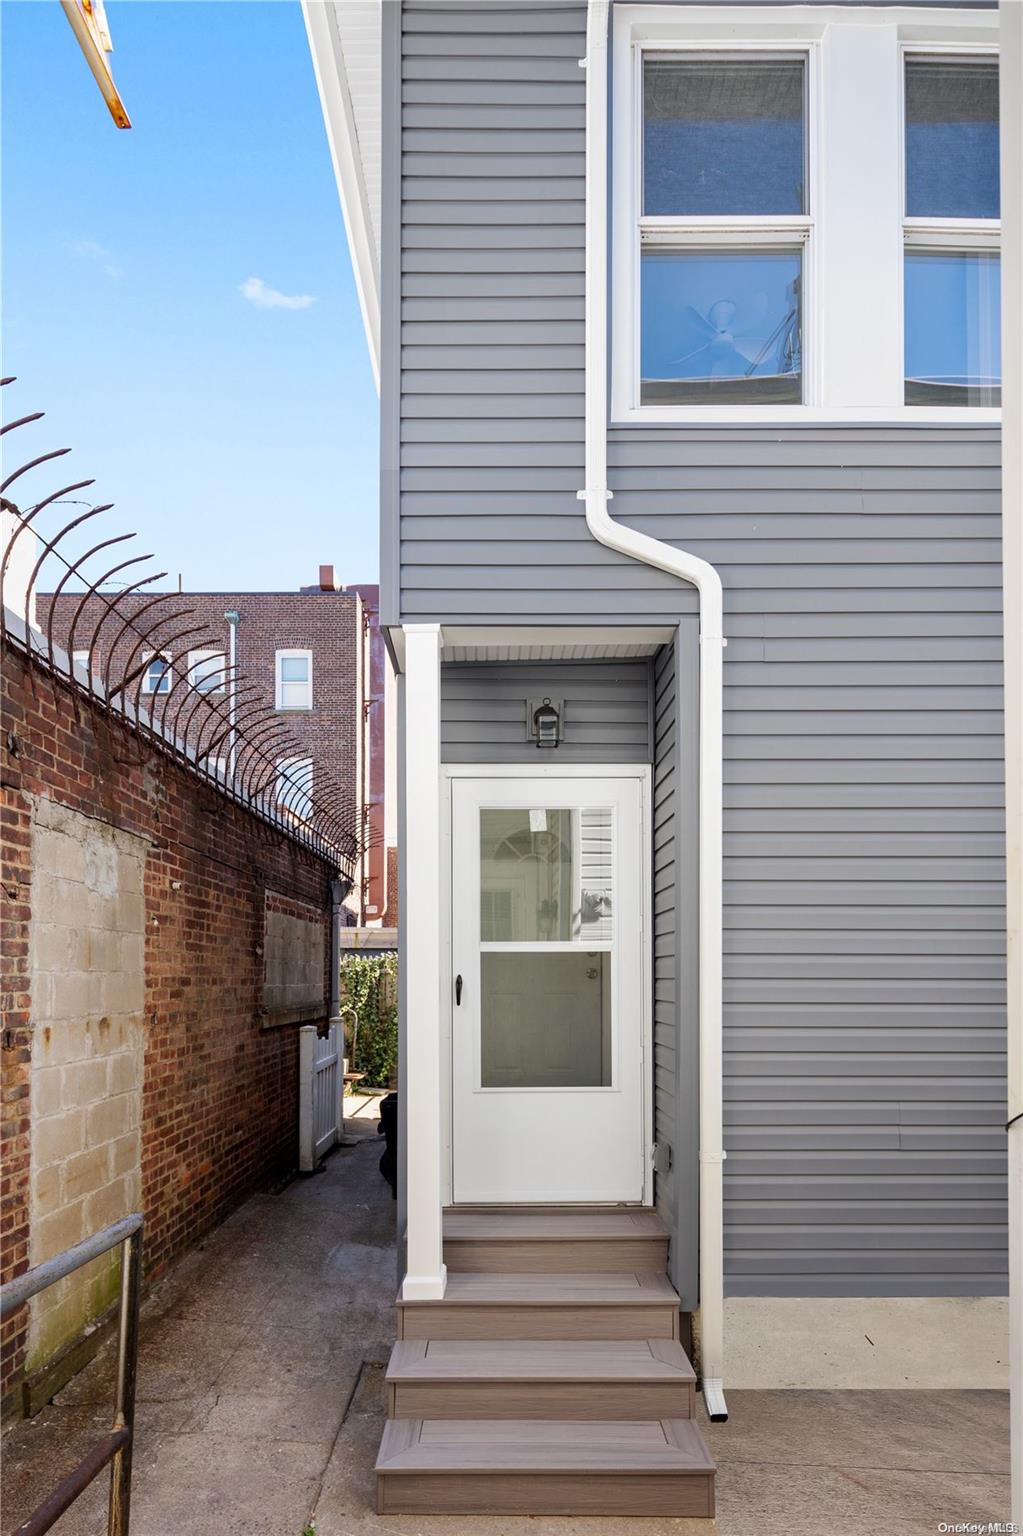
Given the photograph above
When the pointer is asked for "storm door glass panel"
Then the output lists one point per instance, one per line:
(721, 325)
(546, 915)
(952, 138)
(953, 328)
(723, 136)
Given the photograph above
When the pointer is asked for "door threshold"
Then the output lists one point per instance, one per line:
(539, 1207)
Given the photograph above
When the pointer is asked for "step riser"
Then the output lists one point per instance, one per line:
(465, 1493)
(537, 1322)
(590, 1400)
(625, 1256)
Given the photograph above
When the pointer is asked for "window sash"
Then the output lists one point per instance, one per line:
(743, 231)
(911, 54)
(293, 693)
(734, 350)
(294, 787)
(207, 671)
(740, 54)
(161, 683)
(951, 234)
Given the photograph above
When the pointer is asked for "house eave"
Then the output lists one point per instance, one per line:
(341, 39)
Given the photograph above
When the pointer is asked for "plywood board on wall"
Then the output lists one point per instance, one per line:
(294, 961)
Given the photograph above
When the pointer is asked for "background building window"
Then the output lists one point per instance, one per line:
(80, 659)
(157, 677)
(294, 681)
(724, 140)
(294, 787)
(951, 287)
(206, 671)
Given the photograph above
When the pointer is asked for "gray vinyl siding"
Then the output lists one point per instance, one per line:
(675, 953)
(605, 719)
(667, 859)
(864, 921)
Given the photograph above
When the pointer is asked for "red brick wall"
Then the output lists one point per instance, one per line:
(220, 1110)
(15, 826)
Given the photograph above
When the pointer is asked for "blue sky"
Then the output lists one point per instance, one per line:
(238, 437)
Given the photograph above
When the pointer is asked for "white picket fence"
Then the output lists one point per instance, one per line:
(320, 1093)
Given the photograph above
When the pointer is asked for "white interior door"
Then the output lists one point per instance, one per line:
(548, 989)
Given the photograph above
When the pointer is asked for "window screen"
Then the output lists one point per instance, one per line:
(723, 136)
(952, 138)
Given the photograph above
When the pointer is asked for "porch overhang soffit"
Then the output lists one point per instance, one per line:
(540, 643)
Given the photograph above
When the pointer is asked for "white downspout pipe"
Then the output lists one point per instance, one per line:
(233, 618)
(676, 562)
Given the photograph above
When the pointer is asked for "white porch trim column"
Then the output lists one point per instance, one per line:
(425, 1275)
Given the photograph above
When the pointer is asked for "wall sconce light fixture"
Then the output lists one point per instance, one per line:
(547, 725)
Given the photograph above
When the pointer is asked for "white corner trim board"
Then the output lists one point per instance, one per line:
(704, 577)
(426, 1276)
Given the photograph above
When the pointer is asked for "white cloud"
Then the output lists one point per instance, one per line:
(91, 250)
(258, 294)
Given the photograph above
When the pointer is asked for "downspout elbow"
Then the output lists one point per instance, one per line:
(664, 557)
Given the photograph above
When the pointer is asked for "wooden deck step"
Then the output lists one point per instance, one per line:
(539, 1379)
(458, 1467)
(546, 1306)
(554, 1242)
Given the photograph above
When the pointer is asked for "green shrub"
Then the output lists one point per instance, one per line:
(369, 984)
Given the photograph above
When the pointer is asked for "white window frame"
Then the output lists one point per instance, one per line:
(81, 659)
(289, 770)
(196, 658)
(854, 230)
(289, 654)
(157, 693)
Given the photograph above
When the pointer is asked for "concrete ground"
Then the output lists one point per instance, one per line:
(261, 1404)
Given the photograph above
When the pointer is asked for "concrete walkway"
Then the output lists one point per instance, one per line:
(261, 1405)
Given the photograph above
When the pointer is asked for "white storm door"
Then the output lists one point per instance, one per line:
(547, 981)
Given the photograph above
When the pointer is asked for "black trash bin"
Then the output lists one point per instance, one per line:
(388, 1129)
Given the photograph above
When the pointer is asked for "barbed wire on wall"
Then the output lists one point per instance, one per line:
(227, 735)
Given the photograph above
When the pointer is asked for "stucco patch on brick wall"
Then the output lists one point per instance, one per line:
(86, 944)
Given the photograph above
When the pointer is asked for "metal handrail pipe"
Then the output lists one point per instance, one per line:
(14, 1293)
(77, 1480)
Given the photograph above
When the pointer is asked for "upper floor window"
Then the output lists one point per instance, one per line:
(952, 268)
(158, 676)
(206, 671)
(723, 223)
(81, 659)
(294, 791)
(805, 208)
(294, 679)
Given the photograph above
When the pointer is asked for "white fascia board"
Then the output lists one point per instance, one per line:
(349, 170)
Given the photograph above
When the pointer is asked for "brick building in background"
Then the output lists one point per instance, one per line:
(315, 657)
